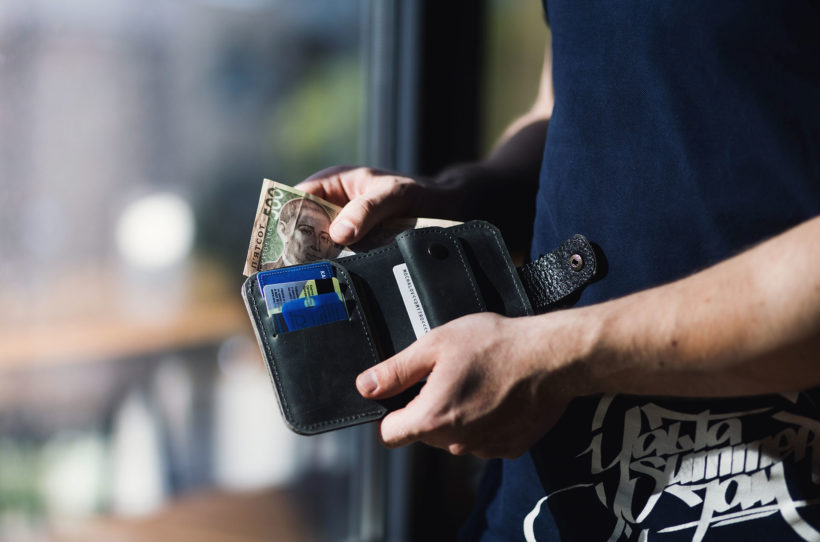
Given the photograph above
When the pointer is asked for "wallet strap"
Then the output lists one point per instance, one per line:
(553, 280)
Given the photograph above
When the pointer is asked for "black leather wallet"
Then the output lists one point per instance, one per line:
(455, 271)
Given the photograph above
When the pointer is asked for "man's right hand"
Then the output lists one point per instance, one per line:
(368, 196)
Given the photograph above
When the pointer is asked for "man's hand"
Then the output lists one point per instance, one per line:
(495, 385)
(367, 195)
(491, 390)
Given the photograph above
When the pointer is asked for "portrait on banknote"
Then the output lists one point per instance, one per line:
(302, 228)
(290, 228)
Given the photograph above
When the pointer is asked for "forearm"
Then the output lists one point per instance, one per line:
(746, 326)
(501, 188)
(514, 161)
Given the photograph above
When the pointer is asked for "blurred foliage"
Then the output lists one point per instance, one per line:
(313, 125)
(19, 496)
(514, 54)
(317, 124)
(225, 212)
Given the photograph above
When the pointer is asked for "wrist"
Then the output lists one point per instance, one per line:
(630, 348)
(605, 355)
(568, 348)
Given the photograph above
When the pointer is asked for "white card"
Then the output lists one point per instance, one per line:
(411, 300)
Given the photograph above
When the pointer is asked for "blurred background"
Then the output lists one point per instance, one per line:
(134, 136)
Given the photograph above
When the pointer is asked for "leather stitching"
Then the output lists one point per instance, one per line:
(370, 254)
(522, 296)
(275, 373)
(373, 355)
(271, 361)
(513, 275)
(479, 304)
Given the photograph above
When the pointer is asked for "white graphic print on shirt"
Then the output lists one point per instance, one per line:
(702, 460)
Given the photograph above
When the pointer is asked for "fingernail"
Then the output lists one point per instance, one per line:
(342, 229)
(367, 382)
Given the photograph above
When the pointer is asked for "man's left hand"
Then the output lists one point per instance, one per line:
(489, 389)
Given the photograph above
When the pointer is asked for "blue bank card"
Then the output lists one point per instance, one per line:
(319, 270)
(313, 311)
(308, 311)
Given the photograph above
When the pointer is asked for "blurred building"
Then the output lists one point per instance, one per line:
(133, 139)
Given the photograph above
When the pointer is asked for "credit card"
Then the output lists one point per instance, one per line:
(297, 273)
(322, 286)
(318, 270)
(313, 311)
(277, 295)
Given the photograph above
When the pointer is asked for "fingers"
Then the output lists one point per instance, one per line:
(331, 184)
(404, 426)
(367, 195)
(415, 421)
(393, 376)
(396, 374)
(380, 200)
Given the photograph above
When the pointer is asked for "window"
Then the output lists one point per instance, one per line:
(134, 136)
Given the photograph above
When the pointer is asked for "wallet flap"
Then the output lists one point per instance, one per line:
(491, 265)
(441, 274)
(556, 279)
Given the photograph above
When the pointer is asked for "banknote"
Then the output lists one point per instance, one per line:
(291, 227)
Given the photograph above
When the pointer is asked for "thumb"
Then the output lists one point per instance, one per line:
(387, 198)
(395, 374)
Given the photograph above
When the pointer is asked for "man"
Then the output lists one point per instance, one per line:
(303, 228)
(685, 141)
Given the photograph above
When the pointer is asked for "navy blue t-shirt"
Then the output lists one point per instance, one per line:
(682, 133)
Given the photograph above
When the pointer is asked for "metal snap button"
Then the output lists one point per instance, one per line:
(438, 251)
(576, 262)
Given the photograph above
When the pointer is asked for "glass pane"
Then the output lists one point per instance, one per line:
(134, 136)
(514, 53)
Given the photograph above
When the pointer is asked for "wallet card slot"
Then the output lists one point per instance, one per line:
(441, 274)
(314, 369)
(317, 368)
